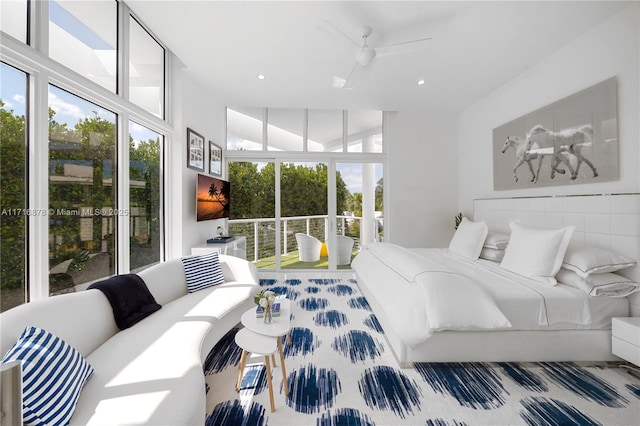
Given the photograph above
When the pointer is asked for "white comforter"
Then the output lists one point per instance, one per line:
(427, 290)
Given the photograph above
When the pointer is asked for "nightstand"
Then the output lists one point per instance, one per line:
(625, 339)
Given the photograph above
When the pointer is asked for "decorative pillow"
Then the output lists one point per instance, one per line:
(536, 253)
(130, 298)
(492, 254)
(53, 374)
(468, 239)
(605, 284)
(202, 271)
(496, 240)
(589, 260)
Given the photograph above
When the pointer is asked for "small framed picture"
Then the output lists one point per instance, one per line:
(215, 159)
(195, 150)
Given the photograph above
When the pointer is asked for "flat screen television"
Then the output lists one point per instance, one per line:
(212, 198)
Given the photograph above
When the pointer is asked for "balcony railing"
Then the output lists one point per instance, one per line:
(261, 238)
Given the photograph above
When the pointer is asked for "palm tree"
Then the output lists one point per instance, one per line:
(379, 195)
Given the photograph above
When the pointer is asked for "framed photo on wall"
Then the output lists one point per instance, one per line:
(215, 159)
(571, 141)
(195, 150)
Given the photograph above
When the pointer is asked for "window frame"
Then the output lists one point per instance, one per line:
(41, 70)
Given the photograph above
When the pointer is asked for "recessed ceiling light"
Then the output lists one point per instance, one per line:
(260, 76)
(421, 82)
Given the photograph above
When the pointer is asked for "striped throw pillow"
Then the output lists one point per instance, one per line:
(202, 271)
(53, 374)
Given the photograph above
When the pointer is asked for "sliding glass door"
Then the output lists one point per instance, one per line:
(306, 215)
(252, 211)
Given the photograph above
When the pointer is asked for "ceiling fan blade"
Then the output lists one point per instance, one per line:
(403, 47)
(340, 83)
(335, 31)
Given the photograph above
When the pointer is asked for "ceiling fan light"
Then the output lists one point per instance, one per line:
(421, 82)
(365, 55)
(260, 76)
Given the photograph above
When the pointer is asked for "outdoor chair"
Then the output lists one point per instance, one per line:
(308, 247)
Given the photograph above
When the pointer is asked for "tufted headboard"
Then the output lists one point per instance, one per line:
(605, 221)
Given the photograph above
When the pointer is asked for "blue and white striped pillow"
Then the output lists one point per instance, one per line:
(202, 271)
(53, 374)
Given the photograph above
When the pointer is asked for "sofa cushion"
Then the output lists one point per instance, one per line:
(152, 373)
(202, 271)
(53, 374)
(165, 281)
(84, 320)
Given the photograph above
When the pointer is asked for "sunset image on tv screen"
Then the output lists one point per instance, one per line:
(212, 198)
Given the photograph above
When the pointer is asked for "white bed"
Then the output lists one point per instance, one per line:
(558, 323)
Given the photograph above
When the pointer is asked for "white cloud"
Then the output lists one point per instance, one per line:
(65, 109)
(20, 99)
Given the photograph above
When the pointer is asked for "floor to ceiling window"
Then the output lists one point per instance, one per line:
(252, 209)
(328, 189)
(13, 173)
(82, 191)
(97, 216)
(304, 215)
(145, 196)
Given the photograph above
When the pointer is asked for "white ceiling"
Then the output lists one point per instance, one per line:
(476, 48)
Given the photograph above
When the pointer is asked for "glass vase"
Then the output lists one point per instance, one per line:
(267, 315)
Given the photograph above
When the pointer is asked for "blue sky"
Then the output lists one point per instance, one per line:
(69, 108)
(13, 89)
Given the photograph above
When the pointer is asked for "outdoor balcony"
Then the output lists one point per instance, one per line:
(261, 238)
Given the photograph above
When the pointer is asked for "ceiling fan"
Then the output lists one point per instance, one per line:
(366, 54)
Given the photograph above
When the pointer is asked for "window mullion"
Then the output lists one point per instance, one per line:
(123, 51)
(39, 27)
(278, 214)
(38, 160)
(123, 208)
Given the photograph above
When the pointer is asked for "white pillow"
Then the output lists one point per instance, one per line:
(468, 239)
(496, 240)
(536, 253)
(492, 254)
(589, 260)
(605, 284)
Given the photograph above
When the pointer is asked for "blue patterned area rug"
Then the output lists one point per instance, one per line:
(341, 372)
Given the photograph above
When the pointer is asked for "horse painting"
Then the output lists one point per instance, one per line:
(564, 146)
(522, 156)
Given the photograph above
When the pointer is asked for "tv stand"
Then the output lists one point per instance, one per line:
(232, 246)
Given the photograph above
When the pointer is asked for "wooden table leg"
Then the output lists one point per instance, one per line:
(269, 382)
(243, 360)
(284, 372)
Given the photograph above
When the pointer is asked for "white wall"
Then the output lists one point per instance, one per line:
(204, 113)
(610, 49)
(422, 178)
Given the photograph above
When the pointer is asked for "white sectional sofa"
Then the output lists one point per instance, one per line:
(151, 373)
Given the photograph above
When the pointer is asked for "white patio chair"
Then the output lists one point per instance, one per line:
(308, 247)
(345, 247)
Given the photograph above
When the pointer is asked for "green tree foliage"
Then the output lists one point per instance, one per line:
(89, 145)
(379, 203)
(13, 189)
(144, 165)
(303, 190)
